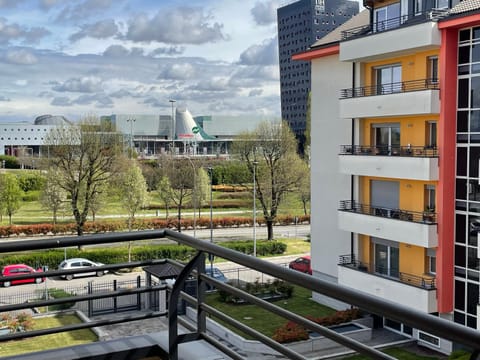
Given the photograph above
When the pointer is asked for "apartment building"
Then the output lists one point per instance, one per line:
(300, 23)
(395, 158)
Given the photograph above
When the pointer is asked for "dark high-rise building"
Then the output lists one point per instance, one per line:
(300, 23)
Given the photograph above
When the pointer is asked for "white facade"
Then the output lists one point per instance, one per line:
(329, 186)
(23, 135)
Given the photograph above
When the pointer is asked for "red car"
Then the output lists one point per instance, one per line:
(302, 264)
(20, 269)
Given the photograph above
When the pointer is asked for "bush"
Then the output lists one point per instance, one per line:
(60, 294)
(11, 162)
(30, 181)
(293, 332)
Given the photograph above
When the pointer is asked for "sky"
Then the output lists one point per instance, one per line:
(99, 57)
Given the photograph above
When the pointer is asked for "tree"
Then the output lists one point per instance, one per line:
(86, 157)
(165, 193)
(272, 149)
(53, 197)
(180, 175)
(202, 188)
(304, 188)
(10, 195)
(308, 127)
(133, 191)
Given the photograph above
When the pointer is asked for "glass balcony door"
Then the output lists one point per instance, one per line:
(386, 138)
(388, 79)
(386, 259)
(387, 17)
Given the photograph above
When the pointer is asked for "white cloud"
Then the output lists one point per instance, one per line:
(177, 26)
(21, 57)
(265, 12)
(87, 84)
(100, 30)
(263, 54)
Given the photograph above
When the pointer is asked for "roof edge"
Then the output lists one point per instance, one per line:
(328, 49)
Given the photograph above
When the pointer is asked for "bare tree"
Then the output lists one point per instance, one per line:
(53, 197)
(165, 193)
(85, 155)
(272, 149)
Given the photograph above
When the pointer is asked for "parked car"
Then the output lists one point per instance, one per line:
(302, 264)
(20, 269)
(80, 263)
(215, 273)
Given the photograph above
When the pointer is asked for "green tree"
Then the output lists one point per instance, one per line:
(133, 191)
(308, 127)
(53, 197)
(86, 156)
(271, 151)
(10, 195)
(202, 189)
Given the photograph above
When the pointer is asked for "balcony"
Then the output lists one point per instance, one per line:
(388, 38)
(176, 342)
(391, 162)
(410, 227)
(418, 292)
(414, 97)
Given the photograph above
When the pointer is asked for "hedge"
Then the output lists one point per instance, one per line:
(115, 255)
(141, 224)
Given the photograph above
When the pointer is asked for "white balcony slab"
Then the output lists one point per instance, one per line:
(413, 233)
(415, 297)
(387, 44)
(419, 168)
(421, 102)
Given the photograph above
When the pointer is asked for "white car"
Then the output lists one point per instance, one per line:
(80, 263)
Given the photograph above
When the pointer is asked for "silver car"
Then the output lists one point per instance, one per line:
(80, 263)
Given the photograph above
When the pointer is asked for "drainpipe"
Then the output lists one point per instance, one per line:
(352, 177)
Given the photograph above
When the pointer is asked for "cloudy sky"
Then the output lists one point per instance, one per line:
(78, 57)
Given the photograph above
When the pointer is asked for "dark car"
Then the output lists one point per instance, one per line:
(20, 269)
(215, 273)
(302, 264)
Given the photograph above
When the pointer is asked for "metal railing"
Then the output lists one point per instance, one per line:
(426, 217)
(390, 88)
(393, 23)
(436, 326)
(384, 150)
(424, 282)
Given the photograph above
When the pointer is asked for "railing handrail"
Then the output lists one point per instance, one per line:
(376, 305)
(424, 217)
(392, 23)
(391, 88)
(424, 282)
(391, 150)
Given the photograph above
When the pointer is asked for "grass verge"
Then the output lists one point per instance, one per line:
(53, 341)
(263, 320)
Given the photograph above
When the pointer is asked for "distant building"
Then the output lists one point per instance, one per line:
(300, 24)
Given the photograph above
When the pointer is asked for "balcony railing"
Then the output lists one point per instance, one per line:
(405, 151)
(436, 326)
(390, 88)
(393, 23)
(424, 282)
(426, 217)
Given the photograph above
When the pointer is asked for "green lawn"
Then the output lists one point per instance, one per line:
(266, 322)
(53, 341)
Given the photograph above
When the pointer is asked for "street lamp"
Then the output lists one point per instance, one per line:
(255, 163)
(210, 256)
(173, 124)
(131, 121)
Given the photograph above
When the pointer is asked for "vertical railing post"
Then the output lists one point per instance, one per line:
(139, 296)
(201, 287)
(90, 302)
(115, 297)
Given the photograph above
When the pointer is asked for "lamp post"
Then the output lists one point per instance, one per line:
(173, 125)
(210, 256)
(255, 163)
(131, 121)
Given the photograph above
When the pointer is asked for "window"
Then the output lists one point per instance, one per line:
(386, 257)
(432, 261)
(388, 79)
(418, 7)
(441, 4)
(431, 134)
(430, 198)
(386, 137)
(387, 17)
(432, 68)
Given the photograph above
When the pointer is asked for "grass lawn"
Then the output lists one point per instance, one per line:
(264, 321)
(401, 354)
(49, 341)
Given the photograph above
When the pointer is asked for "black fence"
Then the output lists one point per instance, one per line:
(390, 88)
(384, 150)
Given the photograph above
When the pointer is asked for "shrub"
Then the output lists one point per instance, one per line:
(29, 181)
(60, 294)
(293, 332)
(11, 162)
